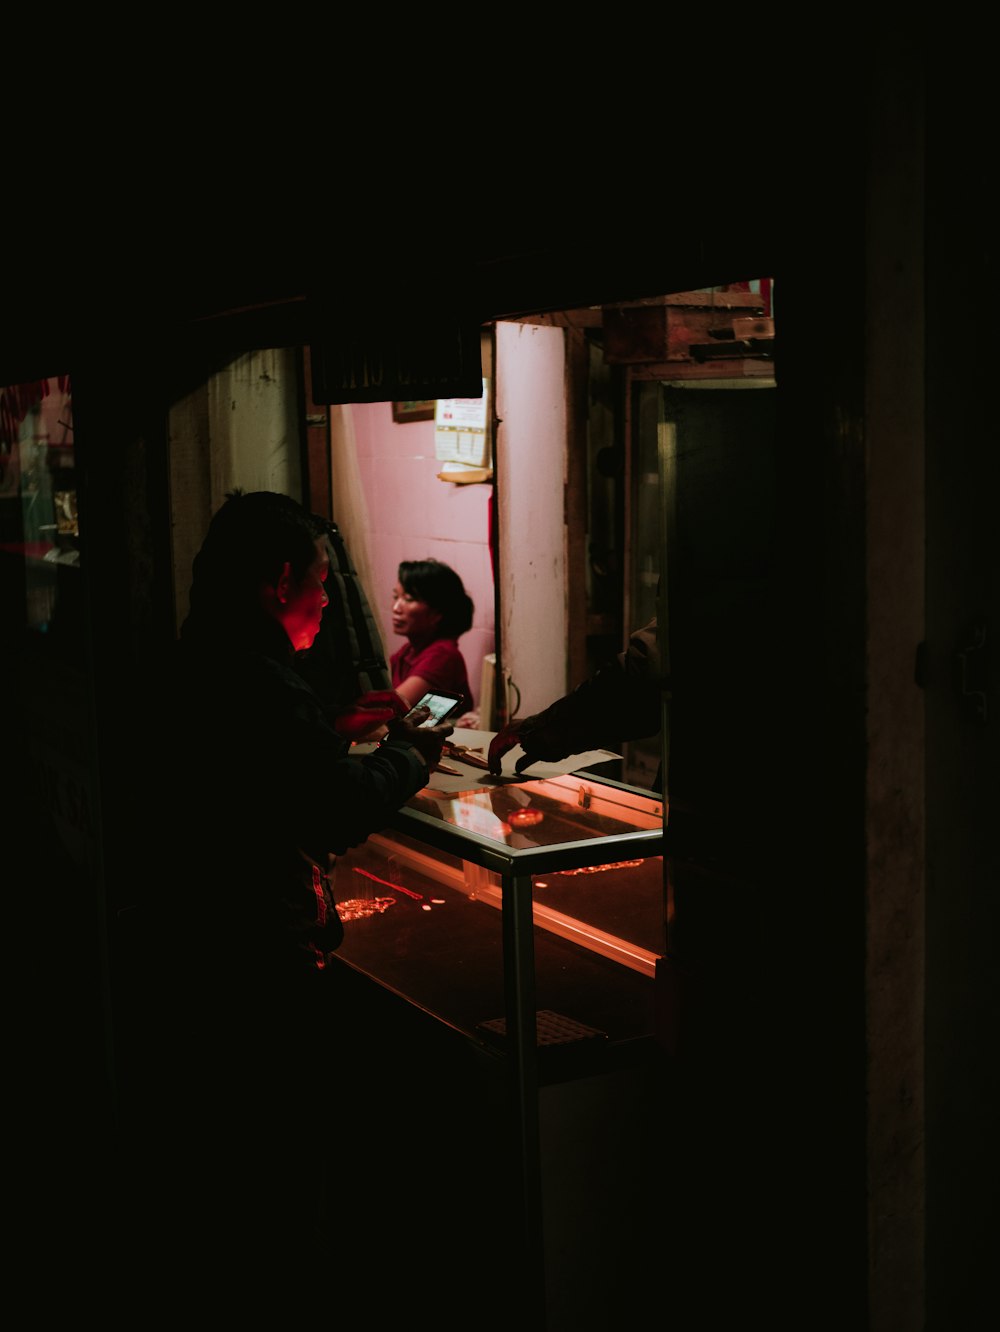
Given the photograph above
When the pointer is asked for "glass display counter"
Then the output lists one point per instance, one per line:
(527, 915)
(501, 906)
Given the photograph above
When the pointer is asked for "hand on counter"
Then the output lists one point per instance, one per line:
(540, 742)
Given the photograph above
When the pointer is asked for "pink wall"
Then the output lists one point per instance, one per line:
(412, 516)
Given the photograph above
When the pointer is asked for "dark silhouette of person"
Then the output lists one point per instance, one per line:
(234, 1010)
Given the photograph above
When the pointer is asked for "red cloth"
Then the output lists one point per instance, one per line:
(368, 712)
(440, 663)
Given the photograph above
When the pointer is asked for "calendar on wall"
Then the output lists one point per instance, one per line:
(462, 438)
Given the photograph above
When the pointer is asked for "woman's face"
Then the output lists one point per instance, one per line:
(301, 611)
(412, 618)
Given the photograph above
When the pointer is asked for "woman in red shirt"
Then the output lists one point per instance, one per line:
(431, 609)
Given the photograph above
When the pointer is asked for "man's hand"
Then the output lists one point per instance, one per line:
(428, 741)
(541, 741)
(503, 741)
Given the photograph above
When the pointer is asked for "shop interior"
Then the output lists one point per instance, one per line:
(786, 1108)
(669, 394)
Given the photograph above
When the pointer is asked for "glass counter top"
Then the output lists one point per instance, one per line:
(530, 825)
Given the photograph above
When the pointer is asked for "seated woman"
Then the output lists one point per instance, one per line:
(431, 609)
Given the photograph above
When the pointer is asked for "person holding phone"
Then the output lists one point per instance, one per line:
(431, 610)
(437, 706)
(233, 1007)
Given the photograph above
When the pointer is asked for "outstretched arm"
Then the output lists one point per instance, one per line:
(620, 702)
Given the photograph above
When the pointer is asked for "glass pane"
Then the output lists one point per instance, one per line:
(48, 753)
(542, 813)
(38, 494)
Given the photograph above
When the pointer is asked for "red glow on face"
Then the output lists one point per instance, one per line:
(302, 613)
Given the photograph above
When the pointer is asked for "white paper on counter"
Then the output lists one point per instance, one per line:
(470, 776)
(479, 742)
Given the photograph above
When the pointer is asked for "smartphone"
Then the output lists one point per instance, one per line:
(442, 706)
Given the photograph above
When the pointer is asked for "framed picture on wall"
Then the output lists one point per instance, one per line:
(414, 411)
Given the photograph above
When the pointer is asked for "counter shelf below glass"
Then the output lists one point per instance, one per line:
(590, 874)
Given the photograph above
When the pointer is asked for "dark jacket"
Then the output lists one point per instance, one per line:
(233, 1018)
(621, 701)
(261, 792)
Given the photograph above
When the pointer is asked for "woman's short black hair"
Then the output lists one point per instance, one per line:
(441, 588)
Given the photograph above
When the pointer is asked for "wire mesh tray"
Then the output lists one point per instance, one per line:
(553, 1029)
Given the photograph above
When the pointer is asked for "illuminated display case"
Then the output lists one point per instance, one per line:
(526, 915)
(520, 922)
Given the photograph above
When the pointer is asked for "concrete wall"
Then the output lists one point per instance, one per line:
(239, 428)
(531, 479)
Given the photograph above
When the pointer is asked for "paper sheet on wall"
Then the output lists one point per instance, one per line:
(460, 434)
